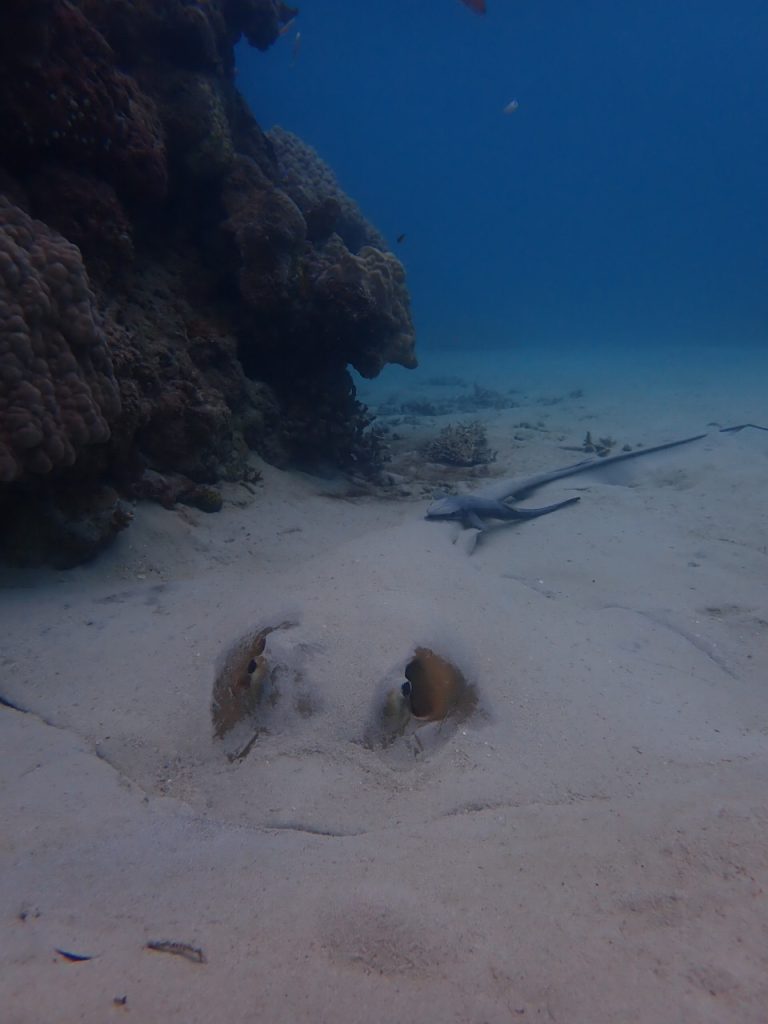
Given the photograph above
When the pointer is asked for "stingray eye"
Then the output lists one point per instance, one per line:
(405, 689)
(251, 666)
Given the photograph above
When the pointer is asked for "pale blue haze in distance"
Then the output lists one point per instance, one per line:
(624, 202)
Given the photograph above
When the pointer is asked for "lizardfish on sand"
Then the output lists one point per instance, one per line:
(493, 502)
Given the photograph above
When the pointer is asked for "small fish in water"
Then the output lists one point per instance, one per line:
(287, 27)
(478, 6)
(400, 238)
(296, 47)
(511, 107)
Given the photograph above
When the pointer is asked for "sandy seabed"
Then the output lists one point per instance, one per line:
(591, 845)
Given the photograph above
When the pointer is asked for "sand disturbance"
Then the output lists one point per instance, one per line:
(416, 707)
(374, 778)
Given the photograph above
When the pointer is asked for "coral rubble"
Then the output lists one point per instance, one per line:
(177, 287)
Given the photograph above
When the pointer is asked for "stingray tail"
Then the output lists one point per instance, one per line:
(532, 513)
(741, 426)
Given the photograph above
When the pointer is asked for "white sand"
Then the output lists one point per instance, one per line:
(591, 846)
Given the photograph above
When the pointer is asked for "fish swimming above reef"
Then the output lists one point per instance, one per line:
(296, 48)
(478, 6)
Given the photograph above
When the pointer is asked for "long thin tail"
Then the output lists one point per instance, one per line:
(532, 513)
(741, 426)
(528, 486)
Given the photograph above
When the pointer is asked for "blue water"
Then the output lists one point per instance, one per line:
(623, 202)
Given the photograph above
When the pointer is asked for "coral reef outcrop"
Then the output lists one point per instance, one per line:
(178, 288)
(312, 185)
(65, 99)
(361, 307)
(57, 386)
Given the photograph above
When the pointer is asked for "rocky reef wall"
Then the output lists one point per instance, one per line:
(177, 287)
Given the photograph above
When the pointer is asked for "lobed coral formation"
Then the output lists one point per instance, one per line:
(268, 232)
(223, 281)
(312, 185)
(362, 307)
(193, 107)
(88, 212)
(143, 33)
(57, 386)
(67, 101)
(349, 307)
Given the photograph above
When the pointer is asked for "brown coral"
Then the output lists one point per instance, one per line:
(70, 103)
(327, 305)
(193, 108)
(144, 32)
(180, 381)
(269, 233)
(228, 307)
(352, 286)
(57, 388)
(363, 307)
(87, 211)
(312, 185)
(258, 20)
